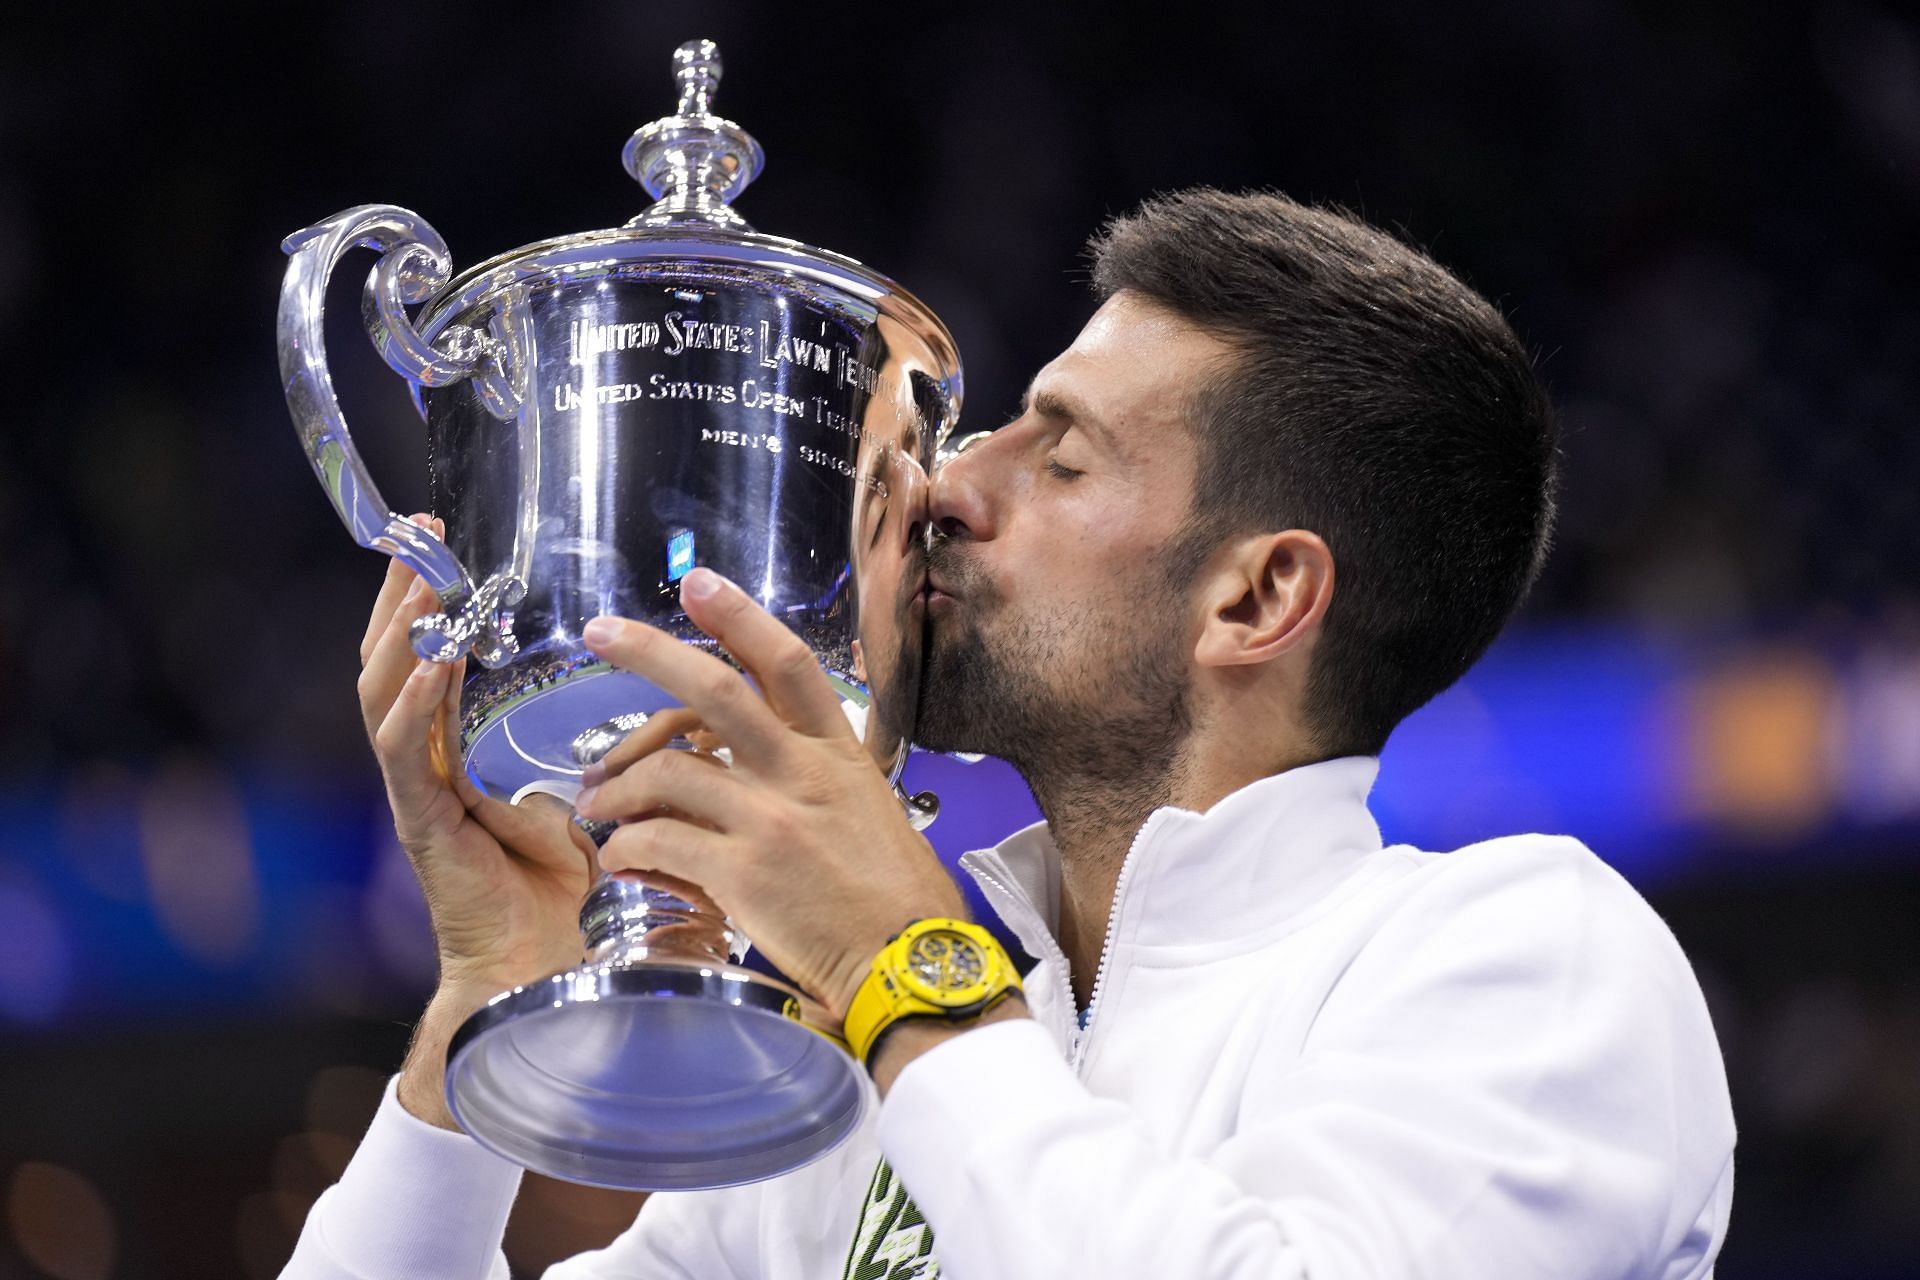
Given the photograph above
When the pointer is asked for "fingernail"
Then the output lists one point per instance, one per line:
(414, 590)
(601, 631)
(702, 584)
(583, 801)
(593, 775)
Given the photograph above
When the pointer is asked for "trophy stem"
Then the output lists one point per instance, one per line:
(622, 914)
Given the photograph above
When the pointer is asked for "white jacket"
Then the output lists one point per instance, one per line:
(1307, 1056)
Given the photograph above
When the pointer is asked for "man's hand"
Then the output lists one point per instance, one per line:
(503, 883)
(802, 840)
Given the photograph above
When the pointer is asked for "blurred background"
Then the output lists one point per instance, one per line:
(1703, 216)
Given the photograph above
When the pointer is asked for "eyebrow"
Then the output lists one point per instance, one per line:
(1049, 403)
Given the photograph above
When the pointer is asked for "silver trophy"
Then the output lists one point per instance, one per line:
(604, 412)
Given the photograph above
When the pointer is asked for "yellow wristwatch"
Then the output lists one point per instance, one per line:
(931, 969)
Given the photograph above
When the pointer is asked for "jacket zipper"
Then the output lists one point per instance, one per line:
(1080, 1037)
(1050, 948)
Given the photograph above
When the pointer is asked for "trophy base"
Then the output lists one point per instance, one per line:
(652, 1075)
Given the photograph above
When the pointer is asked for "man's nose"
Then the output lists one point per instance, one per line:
(961, 501)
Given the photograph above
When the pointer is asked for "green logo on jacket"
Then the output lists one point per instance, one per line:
(893, 1241)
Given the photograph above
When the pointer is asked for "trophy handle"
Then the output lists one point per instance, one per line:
(413, 264)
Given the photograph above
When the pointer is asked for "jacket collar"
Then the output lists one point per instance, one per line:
(1256, 859)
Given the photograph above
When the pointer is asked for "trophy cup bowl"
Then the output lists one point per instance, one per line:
(604, 412)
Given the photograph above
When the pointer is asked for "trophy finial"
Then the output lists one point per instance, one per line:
(693, 163)
(696, 65)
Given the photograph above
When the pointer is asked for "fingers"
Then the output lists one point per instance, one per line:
(539, 829)
(786, 670)
(714, 691)
(661, 728)
(796, 690)
(669, 847)
(390, 662)
(444, 744)
(551, 810)
(393, 589)
(688, 786)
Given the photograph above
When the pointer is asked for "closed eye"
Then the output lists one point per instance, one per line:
(1054, 469)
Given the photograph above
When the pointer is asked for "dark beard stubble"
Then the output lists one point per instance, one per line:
(1112, 740)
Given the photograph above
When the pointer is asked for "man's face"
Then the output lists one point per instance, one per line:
(1058, 635)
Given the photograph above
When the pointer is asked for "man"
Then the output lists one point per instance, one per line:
(1286, 485)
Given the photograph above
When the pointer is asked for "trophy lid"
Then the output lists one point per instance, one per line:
(693, 163)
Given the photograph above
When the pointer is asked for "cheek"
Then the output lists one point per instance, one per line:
(1105, 555)
(1092, 599)
(1083, 548)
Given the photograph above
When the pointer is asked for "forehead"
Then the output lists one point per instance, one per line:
(1130, 375)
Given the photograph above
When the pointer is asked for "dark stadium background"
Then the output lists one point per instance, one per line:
(1704, 216)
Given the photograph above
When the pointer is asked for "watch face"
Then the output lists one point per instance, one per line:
(947, 965)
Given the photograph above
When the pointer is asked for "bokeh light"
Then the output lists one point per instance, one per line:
(262, 1239)
(1762, 746)
(341, 1100)
(36, 956)
(553, 1219)
(198, 854)
(396, 913)
(61, 1223)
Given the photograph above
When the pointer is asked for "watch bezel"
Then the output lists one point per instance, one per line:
(946, 997)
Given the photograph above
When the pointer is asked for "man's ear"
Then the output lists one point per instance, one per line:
(1266, 597)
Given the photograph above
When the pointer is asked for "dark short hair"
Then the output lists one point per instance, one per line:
(1376, 401)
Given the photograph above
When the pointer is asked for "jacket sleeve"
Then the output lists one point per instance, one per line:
(1514, 1077)
(419, 1203)
(415, 1203)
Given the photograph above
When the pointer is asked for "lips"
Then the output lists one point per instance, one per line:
(950, 575)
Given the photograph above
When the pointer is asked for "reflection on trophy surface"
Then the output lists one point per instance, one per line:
(605, 412)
